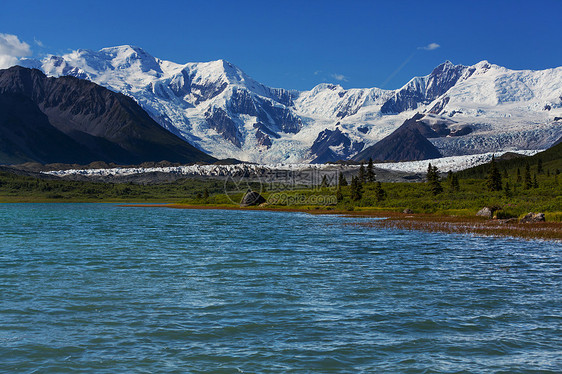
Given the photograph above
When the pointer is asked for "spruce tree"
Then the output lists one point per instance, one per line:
(518, 178)
(437, 188)
(433, 180)
(539, 166)
(353, 188)
(494, 180)
(362, 174)
(535, 183)
(528, 181)
(356, 189)
(380, 194)
(205, 193)
(342, 182)
(429, 174)
(371, 176)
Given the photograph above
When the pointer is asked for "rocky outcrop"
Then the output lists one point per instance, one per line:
(263, 139)
(252, 198)
(423, 90)
(278, 116)
(218, 120)
(328, 141)
(533, 218)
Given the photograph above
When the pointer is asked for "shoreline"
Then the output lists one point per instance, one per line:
(551, 231)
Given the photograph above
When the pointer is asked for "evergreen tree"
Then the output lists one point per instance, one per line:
(342, 182)
(362, 174)
(380, 194)
(507, 190)
(433, 180)
(371, 176)
(205, 193)
(494, 180)
(528, 181)
(518, 178)
(429, 174)
(505, 175)
(356, 189)
(353, 188)
(535, 183)
(539, 166)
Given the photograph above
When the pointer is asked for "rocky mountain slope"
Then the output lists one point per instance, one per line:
(409, 142)
(73, 120)
(221, 110)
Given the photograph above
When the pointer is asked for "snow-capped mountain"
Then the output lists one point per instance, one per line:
(221, 110)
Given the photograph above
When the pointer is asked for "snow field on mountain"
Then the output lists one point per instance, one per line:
(505, 108)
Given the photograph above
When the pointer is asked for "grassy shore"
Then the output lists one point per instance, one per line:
(452, 210)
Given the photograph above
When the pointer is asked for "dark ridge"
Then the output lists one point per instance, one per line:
(406, 143)
(83, 122)
(27, 135)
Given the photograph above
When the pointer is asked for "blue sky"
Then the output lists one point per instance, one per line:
(298, 44)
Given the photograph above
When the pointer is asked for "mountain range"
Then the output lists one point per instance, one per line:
(222, 111)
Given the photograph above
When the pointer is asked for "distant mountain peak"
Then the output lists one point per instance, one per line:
(125, 48)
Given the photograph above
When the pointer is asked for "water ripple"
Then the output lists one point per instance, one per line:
(98, 288)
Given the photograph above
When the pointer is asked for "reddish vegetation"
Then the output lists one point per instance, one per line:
(469, 225)
(424, 222)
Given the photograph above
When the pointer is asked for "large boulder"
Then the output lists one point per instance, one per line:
(486, 212)
(532, 218)
(252, 198)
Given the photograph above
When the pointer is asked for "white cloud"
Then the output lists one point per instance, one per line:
(430, 47)
(38, 42)
(339, 77)
(11, 50)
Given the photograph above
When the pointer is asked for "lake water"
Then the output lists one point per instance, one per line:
(105, 289)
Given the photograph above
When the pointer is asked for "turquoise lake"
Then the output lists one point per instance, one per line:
(106, 289)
